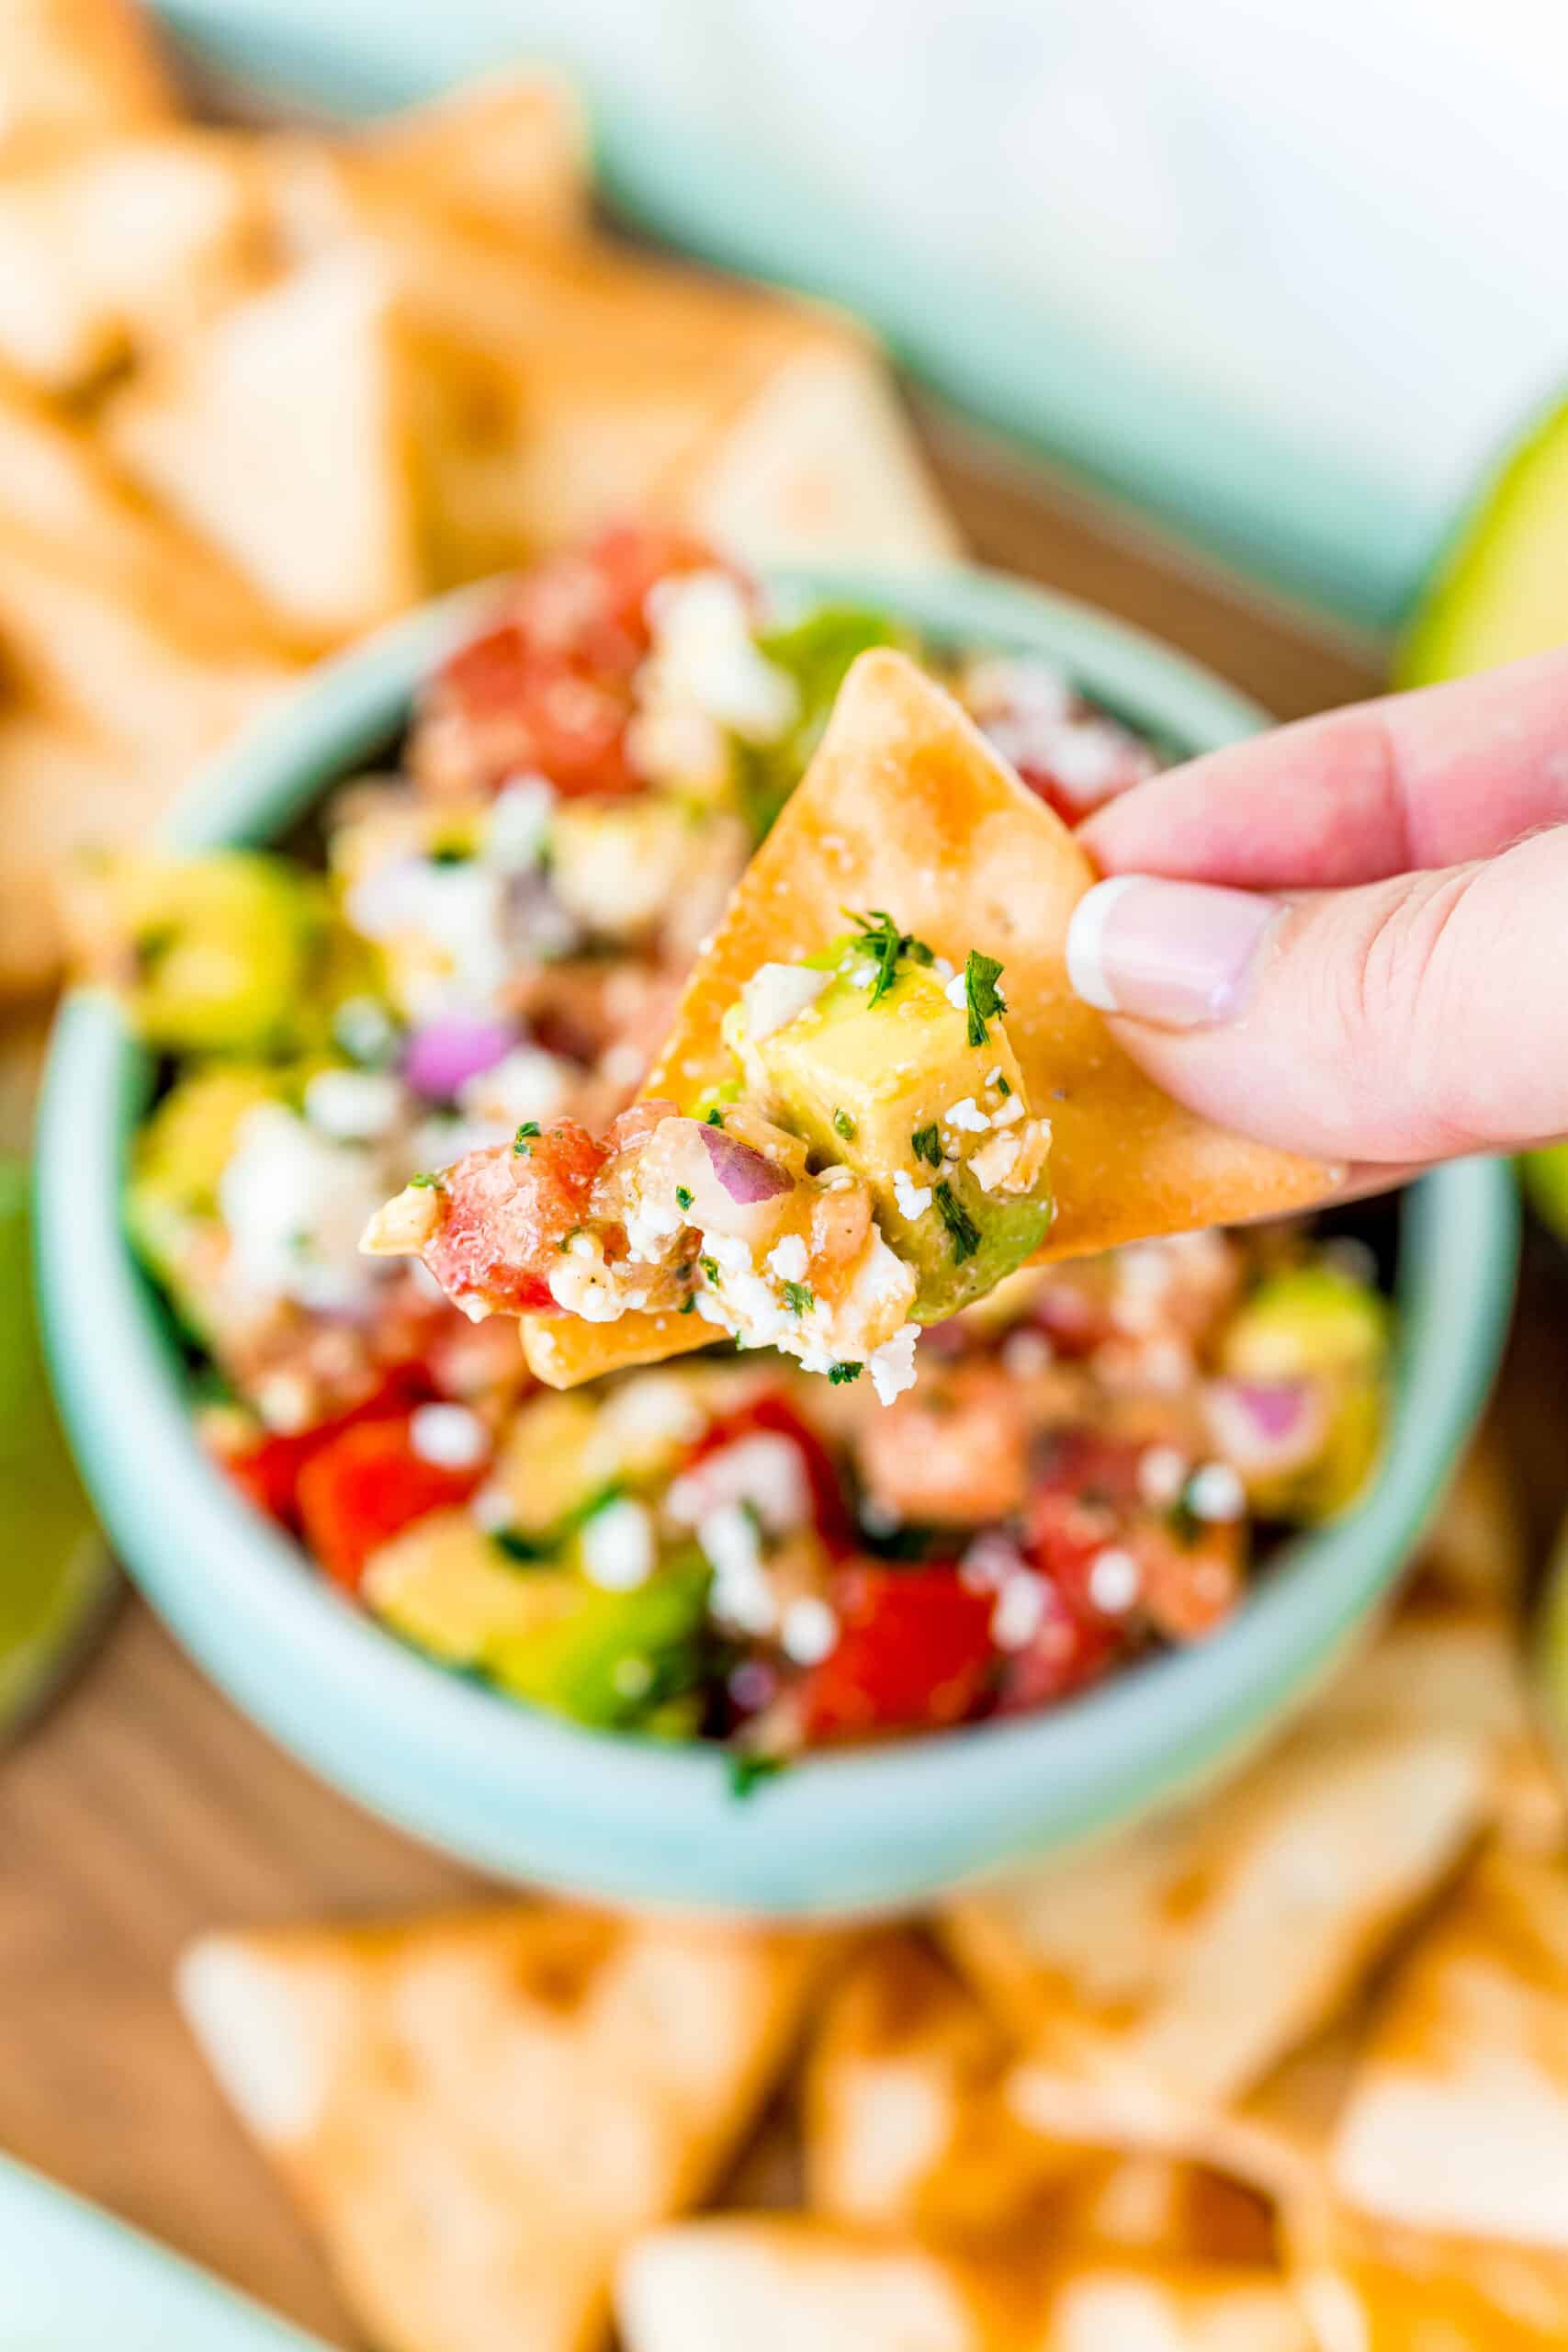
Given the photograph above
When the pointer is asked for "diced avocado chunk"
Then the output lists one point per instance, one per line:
(618, 1658)
(179, 1157)
(873, 1086)
(1312, 1320)
(446, 1586)
(223, 947)
(817, 652)
(1316, 1323)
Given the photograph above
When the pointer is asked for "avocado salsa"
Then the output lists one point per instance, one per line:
(450, 1009)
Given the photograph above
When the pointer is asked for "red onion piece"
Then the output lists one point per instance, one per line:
(1266, 1424)
(746, 1175)
(454, 1047)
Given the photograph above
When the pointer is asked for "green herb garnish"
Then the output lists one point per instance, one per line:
(521, 1142)
(424, 1183)
(1003, 1088)
(715, 1118)
(843, 1125)
(747, 1772)
(710, 1268)
(450, 854)
(683, 1196)
(981, 994)
(962, 1228)
(881, 939)
(523, 1551)
(926, 1143)
(840, 1375)
(691, 1306)
(797, 1298)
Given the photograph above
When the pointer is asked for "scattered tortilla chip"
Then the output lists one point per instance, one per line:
(780, 2285)
(286, 433)
(1476, 1547)
(908, 2126)
(478, 2114)
(821, 464)
(906, 806)
(77, 69)
(1161, 1974)
(1166, 2207)
(1369, 2287)
(1457, 2121)
(107, 252)
(60, 789)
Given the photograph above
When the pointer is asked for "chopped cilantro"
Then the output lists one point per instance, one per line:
(962, 1228)
(715, 1118)
(683, 1196)
(797, 1298)
(424, 1183)
(523, 1551)
(926, 1143)
(981, 994)
(1003, 1088)
(843, 1125)
(840, 1375)
(568, 1237)
(747, 1772)
(882, 940)
(522, 1144)
(450, 854)
(691, 1306)
(710, 1268)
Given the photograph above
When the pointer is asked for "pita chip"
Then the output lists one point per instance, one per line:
(1366, 2287)
(478, 2114)
(906, 806)
(76, 70)
(906, 2119)
(778, 2285)
(1157, 1977)
(1457, 2121)
(507, 153)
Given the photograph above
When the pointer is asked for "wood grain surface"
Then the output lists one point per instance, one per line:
(143, 1809)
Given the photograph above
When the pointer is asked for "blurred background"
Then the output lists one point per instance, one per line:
(1243, 324)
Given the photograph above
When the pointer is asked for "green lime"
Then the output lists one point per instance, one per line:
(55, 1571)
(1501, 589)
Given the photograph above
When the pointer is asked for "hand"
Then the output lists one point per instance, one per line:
(1358, 946)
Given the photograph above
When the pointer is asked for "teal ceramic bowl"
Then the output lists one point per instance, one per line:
(529, 1797)
(71, 2276)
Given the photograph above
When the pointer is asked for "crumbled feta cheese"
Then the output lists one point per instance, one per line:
(1004, 1116)
(353, 1105)
(957, 993)
(809, 1631)
(892, 1365)
(582, 1285)
(942, 969)
(491, 1508)
(657, 1408)
(1016, 682)
(994, 1076)
(1018, 1612)
(454, 916)
(777, 994)
(526, 1083)
(1114, 1580)
(284, 1401)
(913, 1199)
(365, 1030)
(741, 1594)
(704, 654)
(519, 825)
(764, 1470)
(995, 1161)
(1026, 1354)
(1163, 1471)
(1214, 1492)
(448, 1435)
(294, 1204)
(967, 1117)
(618, 1548)
(991, 1561)
(622, 1064)
(863, 975)
(787, 1259)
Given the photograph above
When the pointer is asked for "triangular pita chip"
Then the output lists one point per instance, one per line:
(478, 2114)
(1367, 2287)
(1159, 1975)
(1457, 2121)
(780, 2285)
(77, 69)
(508, 152)
(906, 807)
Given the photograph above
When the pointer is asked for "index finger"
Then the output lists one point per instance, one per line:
(1418, 780)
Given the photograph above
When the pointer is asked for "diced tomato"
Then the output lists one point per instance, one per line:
(267, 1474)
(914, 1651)
(1088, 1503)
(506, 1212)
(366, 1486)
(632, 558)
(775, 1414)
(1071, 1648)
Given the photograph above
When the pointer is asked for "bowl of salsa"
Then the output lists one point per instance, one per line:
(717, 1632)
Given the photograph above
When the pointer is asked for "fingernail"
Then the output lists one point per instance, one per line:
(1180, 953)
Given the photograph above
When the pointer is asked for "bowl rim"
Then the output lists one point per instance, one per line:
(522, 1794)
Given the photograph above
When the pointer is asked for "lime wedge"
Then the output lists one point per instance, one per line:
(54, 1570)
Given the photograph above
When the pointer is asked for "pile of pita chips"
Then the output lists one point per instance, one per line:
(906, 807)
(328, 377)
(478, 2114)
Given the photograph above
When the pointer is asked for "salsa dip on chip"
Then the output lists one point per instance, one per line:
(476, 988)
(862, 1148)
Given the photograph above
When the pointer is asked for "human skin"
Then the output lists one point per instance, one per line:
(1349, 937)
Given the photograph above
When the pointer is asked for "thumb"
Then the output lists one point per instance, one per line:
(1412, 1020)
